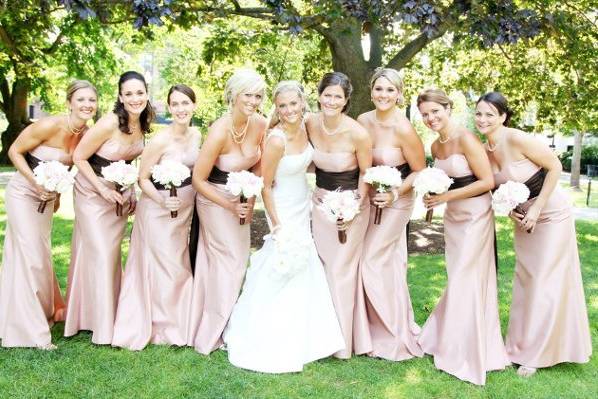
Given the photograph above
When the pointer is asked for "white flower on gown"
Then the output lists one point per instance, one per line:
(285, 317)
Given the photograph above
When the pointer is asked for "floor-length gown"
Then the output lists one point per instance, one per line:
(29, 293)
(155, 298)
(383, 274)
(548, 323)
(341, 260)
(95, 270)
(284, 317)
(221, 262)
(463, 332)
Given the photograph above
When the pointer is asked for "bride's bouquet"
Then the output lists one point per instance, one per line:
(431, 180)
(171, 175)
(340, 206)
(53, 176)
(292, 246)
(383, 178)
(509, 196)
(244, 184)
(123, 175)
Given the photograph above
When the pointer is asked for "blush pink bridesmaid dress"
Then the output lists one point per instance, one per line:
(95, 270)
(383, 275)
(29, 292)
(463, 332)
(221, 262)
(155, 299)
(548, 323)
(341, 261)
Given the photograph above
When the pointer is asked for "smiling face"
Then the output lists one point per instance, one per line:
(332, 100)
(385, 95)
(134, 96)
(487, 118)
(84, 104)
(181, 107)
(434, 115)
(289, 107)
(247, 102)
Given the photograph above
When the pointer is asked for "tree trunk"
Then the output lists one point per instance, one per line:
(344, 41)
(576, 160)
(16, 114)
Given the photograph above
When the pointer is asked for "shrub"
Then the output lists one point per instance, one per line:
(589, 156)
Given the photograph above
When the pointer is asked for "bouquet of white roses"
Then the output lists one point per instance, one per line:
(431, 180)
(383, 178)
(508, 196)
(292, 250)
(244, 184)
(171, 175)
(340, 206)
(53, 176)
(123, 175)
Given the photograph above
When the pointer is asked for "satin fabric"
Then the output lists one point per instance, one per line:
(29, 291)
(155, 299)
(341, 261)
(284, 317)
(95, 270)
(548, 323)
(221, 262)
(392, 328)
(463, 332)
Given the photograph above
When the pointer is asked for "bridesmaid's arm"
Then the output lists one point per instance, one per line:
(413, 151)
(31, 137)
(540, 154)
(271, 156)
(89, 144)
(363, 151)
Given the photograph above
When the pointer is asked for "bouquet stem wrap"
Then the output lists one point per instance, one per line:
(119, 206)
(173, 214)
(342, 234)
(378, 215)
(42, 206)
(429, 215)
(243, 200)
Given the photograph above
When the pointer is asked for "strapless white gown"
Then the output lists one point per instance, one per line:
(285, 317)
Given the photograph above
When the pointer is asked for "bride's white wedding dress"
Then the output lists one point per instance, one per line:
(284, 317)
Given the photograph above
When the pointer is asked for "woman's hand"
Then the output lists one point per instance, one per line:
(342, 225)
(434, 200)
(132, 201)
(241, 209)
(172, 203)
(383, 200)
(528, 222)
(45, 195)
(111, 196)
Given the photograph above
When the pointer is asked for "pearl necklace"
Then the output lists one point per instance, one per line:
(326, 131)
(445, 141)
(72, 130)
(238, 137)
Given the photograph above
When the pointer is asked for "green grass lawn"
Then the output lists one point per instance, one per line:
(579, 197)
(78, 369)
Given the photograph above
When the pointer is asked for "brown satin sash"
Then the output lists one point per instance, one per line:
(97, 163)
(459, 182)
(184, 183)
(218, 176)
(535, 183)
(404, 169)
(348, 180)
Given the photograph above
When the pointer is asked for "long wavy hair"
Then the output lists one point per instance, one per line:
(147, 115)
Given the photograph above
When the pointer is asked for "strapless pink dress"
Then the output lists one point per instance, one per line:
(383, 276)
(95, 270)
(221, 262)
(341, 261)
(29, 291)
(548, 323)
(155, 299)
(463, 332)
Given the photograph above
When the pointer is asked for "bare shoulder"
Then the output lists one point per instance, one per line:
(161, 138)
(518, 137)
(404, 127)
(275, 143)
(468, 138)
(366, 117)
(260, 120)
(47, 126)
(107, 122)
(311, 119)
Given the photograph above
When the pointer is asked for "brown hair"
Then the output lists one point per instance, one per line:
(498, 101)
(184, 89)
(147, 116)
(337, 79)
(78, 85)
(436, 96)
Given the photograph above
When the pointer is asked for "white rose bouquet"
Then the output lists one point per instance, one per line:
(244, 184)
(431, 180)
(509, 196)
(123, 175)
(383, 178)
(171, 175)
(53, 176)
(340, 206)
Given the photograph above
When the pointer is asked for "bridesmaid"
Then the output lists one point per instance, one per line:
(463, 331)
(155, 300)
(232, 145)
(383, 267)
(342, 153)
(549, 321)
(30, 299)
(95, 270)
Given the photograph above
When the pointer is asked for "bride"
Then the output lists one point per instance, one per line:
(284, 317)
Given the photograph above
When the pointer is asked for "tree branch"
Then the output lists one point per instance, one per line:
(5, 91)
(376, 49)
(8, 42)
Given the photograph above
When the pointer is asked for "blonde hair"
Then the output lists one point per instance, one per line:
(78, 85)
(243, 80)
(436, 96)
(284, 87)
(393, 76)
